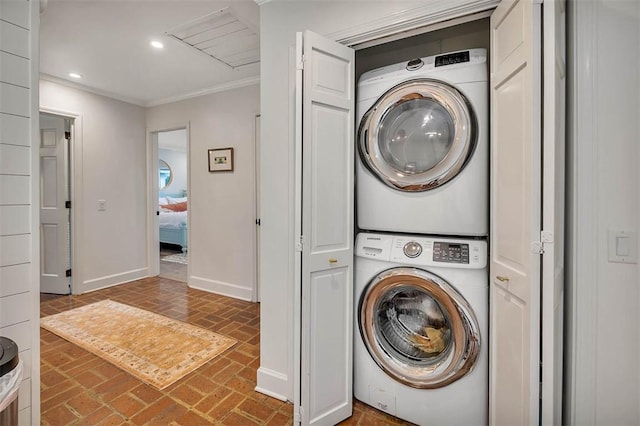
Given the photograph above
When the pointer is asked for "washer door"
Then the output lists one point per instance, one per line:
(418, 328)
(419, 135)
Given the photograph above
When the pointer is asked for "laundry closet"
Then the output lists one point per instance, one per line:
(421, 284)
(323, 183)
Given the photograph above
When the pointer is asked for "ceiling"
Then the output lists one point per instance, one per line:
(108, 43)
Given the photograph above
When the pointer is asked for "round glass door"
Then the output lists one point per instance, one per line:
(418, 328)
(419, 135)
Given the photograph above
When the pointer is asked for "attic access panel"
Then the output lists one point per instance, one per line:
(223, 36)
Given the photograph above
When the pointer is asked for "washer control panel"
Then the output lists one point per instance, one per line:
(423, 251)
(450, 252)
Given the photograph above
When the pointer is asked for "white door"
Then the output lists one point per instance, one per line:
(54, 216)
(327, 144)
(554, 83)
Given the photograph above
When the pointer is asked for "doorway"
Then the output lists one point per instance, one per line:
(55, 204)
(169, 190)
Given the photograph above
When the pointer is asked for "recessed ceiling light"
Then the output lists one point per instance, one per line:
(74, 75)
(157, 44)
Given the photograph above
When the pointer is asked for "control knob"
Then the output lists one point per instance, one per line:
(412, 249)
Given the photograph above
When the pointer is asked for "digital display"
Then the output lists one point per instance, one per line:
(450, 252)
(452, 58)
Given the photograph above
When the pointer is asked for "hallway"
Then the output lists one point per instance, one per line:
(82, 389)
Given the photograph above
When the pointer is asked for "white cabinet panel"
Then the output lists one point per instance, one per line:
(14, 100)
(19, 333)
(14, 69)
(330, 195)
(14, 130)
(15, 160)
(16, 308)
(14, 39)
(15, 249)
(329, 370)
(15, 189)
(15, 279)
(15, 11)
(15, 220)
(24, 394)
(24, 417)
(26, 358)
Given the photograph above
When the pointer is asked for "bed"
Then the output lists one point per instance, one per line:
(173, 220)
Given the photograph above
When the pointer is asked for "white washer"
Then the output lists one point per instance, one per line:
(423, 143)
(421, 328)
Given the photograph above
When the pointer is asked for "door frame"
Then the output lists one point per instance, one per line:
(153, 228)
(257, 193)
(75, 193)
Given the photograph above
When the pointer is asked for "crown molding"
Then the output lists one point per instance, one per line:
(215, 89)
(261, 2)
(432, 12)
(202, 92)
(62, 81)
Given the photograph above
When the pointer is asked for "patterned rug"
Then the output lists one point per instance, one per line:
(176, 258)
(155, 349)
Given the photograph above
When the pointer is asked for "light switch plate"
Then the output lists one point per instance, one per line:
(623, 247)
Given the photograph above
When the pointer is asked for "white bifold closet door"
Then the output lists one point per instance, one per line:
(326, 150)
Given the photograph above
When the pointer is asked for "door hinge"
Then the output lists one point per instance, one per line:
(300, 64)
(258, 222)
(297, 415)
(67, 204)
(67, 135)
(67, 273)
(300, 244)
(537, 247)
(546, 237)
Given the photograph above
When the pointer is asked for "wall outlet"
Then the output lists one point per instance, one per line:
(102, 205)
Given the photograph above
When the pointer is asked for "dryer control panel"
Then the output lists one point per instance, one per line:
(418, 250)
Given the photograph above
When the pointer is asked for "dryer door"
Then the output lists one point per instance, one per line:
(419, 135)
(418, 328)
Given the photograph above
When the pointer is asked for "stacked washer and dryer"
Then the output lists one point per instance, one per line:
(421, 277)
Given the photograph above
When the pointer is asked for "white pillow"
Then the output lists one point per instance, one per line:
(172, 200)
(162, 200)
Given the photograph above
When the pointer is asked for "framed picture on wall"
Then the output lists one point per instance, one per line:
(221, 160)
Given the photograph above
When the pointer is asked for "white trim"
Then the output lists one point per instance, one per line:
(76, 193)
(34, 411)
(432, 12)
(220, 287)
(236, 84)
(273, 383)
(583, 267)
(115, 279)
(214, 89)
(153, 228)
(261, 2)
(58, 80)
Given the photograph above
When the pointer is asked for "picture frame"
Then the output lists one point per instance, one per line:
(221, 160)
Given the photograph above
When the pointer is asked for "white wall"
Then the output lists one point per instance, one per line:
(279, 21)
(603, 373)
(177, 161)
(113, 168)
(19, 258)
(222, 204)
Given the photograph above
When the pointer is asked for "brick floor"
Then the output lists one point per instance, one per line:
(80, 388)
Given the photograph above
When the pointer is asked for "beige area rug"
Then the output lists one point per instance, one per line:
(155, 349)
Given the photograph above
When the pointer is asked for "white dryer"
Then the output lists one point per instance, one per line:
(423, 143)
(421, 327)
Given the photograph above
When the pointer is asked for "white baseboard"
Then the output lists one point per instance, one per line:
(219, 287)
(115, 279)
(273, 384)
